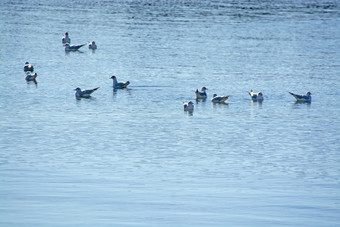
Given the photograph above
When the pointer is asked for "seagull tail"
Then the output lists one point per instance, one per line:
(251, 92)
(225, 98)
(293, 95)
(95, 88)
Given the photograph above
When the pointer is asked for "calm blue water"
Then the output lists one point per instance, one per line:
(134, 157)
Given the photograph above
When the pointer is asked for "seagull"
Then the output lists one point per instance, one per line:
(188, 106)
(256, 96)
(28, 67)
(219, 99)
(92, 45)
(201, 94)
(84, 93)
(302, 98)
(69, 47)
(66, 39)
(31, 77)
(119, 85)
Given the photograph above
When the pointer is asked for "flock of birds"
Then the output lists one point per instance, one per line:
(86, 93)
(187, 105)
(202, 94)
(66, 40)
(29, 76)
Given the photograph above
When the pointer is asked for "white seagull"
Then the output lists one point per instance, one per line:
(92, 45)
(31, 77)
(219, 99)
(28, 67)
(302, 98)
(201, 94)
(256, 96)
(69, 47)
(84, 93)
(188, 106)
(119, 85)
(66, 39)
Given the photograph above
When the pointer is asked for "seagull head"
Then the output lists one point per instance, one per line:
(113, 77)
(204, 88)
(77, 89)
(309, 94)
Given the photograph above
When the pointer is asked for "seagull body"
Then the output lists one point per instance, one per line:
(30, 76)
(119, 85)
(84, 93)
(219, 99)
(69, 47)
(188, 106)
(256, 96)
(201, 94)
(66, 39)
(302, 98)
(92, 45)
(28, 67)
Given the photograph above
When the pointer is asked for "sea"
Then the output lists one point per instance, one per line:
(134, 157)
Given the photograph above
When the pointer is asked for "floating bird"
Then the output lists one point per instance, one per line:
(31, 77)
(219, 99)
(201, 94)
(92, 45)
(188, 106)
(69, 47)
(256, 96)
(302, 98)
(84, 93)
(66, 39)
(119, 85)
(28, 67)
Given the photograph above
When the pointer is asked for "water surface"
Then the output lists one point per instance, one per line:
(133, 157)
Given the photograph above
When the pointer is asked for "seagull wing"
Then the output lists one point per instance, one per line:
(298, 97)
(76, 47)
